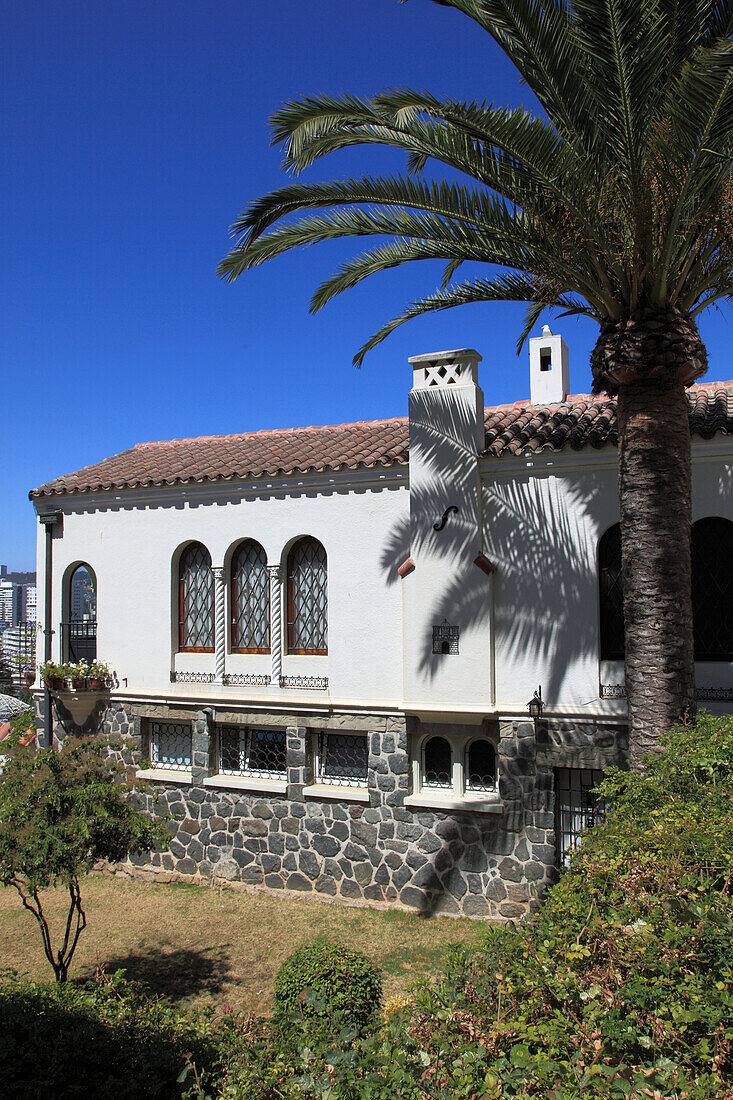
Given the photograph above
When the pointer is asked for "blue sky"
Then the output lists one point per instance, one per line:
(134, 134)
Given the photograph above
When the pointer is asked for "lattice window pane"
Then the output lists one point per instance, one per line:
(250, 599)
(196, 598)
(307, 598)
(712, 589)
(232, 750)
(613, 646)
(259, 753)
(480, 766)
(437, 763)
(576, 807)
(170, 745)
(344, 759)
(266, 756)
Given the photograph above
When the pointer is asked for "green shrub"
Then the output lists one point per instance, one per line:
(322, 981)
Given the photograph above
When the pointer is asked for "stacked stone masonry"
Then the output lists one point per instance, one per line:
(463, 862)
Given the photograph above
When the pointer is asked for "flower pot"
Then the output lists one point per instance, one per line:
(98, 685)
(55, 683)
(78, 683)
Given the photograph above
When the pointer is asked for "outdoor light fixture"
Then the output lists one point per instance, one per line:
(535, 705)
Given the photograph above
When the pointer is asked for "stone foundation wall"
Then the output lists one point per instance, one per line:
(463, 862)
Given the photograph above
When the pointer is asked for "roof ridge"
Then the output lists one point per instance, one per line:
(266, 432)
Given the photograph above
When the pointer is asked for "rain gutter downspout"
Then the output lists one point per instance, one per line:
(49, 521)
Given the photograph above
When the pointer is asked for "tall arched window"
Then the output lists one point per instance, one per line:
(712, 588)
(250, 599)
(80, 628)
(437, 763)
(195, 600)
(307, 598)
(611, 595)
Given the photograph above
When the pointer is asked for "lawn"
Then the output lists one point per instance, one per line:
(202, 946)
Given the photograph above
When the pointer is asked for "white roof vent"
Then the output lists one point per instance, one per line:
(549, 374)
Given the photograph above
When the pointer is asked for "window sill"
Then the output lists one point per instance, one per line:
(336, 793)
(469, 803)
(247, 783)
(164, 775)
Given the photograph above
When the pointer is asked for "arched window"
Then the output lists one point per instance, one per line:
(611, 595)
(195, 600)
(250, 595)
(480, 766)
(307, 598)
(712, 588)
(80, 642)
(437, 763)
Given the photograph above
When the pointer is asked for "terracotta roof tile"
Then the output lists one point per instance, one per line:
(581, 421)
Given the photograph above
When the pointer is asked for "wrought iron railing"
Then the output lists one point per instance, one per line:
(79, 640)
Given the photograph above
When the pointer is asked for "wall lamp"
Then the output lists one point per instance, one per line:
(535, 706)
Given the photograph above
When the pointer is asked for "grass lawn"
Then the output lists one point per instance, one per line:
(201, 946)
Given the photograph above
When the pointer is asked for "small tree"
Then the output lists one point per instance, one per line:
(60, 812)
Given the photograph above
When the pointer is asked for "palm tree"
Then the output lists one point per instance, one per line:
(616, 202)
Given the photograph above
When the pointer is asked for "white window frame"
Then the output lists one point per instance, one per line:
(326, 787)
(165, 772)
(457, 797)
(245, 745)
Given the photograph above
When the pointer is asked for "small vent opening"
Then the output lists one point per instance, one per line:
(545, 359)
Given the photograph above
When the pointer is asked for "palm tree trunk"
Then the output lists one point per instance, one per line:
(654, 495)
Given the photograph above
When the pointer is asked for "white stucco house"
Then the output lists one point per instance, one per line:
(325, 639)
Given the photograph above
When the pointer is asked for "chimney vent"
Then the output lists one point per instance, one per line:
(548, 369)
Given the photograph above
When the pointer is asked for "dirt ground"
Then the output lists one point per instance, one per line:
(214, 947)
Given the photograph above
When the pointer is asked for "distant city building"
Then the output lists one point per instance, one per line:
(18, 647)
(6, 601)
(17, 598)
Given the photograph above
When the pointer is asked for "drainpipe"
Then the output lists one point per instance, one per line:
(49, 520)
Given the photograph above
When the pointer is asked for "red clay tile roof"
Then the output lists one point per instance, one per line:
(582, 421)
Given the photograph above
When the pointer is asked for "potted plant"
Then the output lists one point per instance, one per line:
(99, 676)
(79, 673)
(54, 675)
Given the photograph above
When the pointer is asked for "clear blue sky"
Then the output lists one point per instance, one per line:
(134, 133)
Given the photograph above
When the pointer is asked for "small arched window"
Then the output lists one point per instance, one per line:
(437, 763)
(80, 643)
(195, 600)
(611, 595)
(480, 766)
(712, 588)
(250, 596)
(307, 598)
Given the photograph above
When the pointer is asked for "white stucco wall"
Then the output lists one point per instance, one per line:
(543, 517)
(132, 539)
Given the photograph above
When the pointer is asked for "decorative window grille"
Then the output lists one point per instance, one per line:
(343, 759)
(307, 598)
(170, 745)
(250, 599)
(437, 764)
(445, 638)
(576, 807)
(712, 589)
(256, 752)
(196, 600)
(480, 766)
(611, 595)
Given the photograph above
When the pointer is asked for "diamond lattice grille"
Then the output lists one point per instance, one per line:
(612, 595)
(480, 767)
(170, 745)
(256, 752)
(712, 589)
(438, 766)
(307, 598)
(344, 759)
(250, 599)
(196, 599)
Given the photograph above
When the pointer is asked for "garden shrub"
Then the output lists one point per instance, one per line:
(328, 982)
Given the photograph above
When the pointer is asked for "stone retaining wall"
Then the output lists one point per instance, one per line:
(464, 862)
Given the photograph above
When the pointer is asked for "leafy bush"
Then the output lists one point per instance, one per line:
(105, 1038)
(328, 976)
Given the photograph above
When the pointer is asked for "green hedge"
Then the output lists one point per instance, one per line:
(322, 981)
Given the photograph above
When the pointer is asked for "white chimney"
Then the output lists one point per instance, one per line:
(549, 376)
